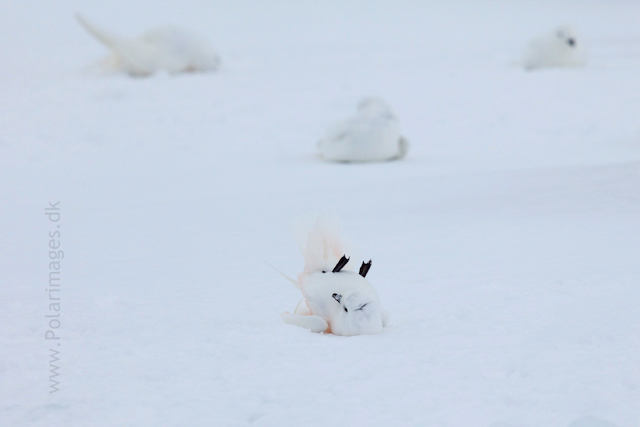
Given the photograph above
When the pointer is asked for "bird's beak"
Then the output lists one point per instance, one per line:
(337, 297)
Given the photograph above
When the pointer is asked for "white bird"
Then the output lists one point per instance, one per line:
(372, 134)
(166, 48)
(336, 300)
(558, 49)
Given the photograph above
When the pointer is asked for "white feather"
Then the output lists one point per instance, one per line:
(295, 283)
(320, 242)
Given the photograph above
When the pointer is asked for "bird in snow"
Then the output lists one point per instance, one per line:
(558, 49)
(372, 134)
(336, 299)
(166, 48)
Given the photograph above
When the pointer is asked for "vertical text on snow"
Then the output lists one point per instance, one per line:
(52, 334)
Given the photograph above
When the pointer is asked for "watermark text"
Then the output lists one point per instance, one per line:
(52, 334)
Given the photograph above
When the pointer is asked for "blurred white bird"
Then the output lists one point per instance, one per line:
(372, 134)
(166, 48)
(336, 299)
(558, 49)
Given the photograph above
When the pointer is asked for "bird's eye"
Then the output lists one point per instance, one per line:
(323, 271)
(345, 310)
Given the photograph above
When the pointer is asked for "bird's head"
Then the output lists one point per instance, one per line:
(566, 36)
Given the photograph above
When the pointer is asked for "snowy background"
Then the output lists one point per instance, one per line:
(506, 247)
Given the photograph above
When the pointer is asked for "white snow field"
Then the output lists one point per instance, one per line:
(505, 246)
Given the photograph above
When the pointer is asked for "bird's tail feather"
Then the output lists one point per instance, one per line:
(320, 242)
(106, 38)
(403, 147)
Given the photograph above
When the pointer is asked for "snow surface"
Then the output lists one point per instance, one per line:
(506, 246)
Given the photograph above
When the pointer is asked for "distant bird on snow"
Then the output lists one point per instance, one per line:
(165, 48)
(336, 299)
(558, 49)
(372, 134)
